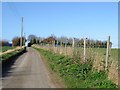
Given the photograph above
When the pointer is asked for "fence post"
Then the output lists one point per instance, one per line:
(84, 49)
(65, 49)
(66, 46)
(60, 46)
(73, 42)
(57, 47)
(54, 46)
(107, 53)
(73, 45)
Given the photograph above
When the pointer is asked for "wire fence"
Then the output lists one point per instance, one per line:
(103, 57)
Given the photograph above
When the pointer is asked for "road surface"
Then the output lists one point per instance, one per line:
(28, 71)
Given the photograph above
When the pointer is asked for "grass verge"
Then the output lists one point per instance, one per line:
(9, 55)
(76, 75)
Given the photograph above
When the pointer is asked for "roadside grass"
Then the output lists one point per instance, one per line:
(5, 48)
(76, 75)
(8, 55)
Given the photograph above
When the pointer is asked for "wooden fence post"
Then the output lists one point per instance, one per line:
(84, 49)
(65, 49)
(60, 46)
(107, 53)
(73, 42)
(54, 46)
(57, 47)
(73, 45)
(66, 46)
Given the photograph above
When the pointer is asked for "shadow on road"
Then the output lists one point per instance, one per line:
(7, 65)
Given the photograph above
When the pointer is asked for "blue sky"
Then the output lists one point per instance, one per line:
(93, 20)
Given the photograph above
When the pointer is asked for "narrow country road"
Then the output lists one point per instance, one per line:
(28, 71)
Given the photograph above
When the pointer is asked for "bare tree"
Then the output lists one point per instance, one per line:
(4, 43)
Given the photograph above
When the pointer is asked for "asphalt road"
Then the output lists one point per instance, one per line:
(28, 71)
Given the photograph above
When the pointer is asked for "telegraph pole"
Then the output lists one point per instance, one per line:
(24, 39)
(21, 33)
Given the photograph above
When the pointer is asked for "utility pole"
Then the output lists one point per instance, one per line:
(24, 39)
(21, 33)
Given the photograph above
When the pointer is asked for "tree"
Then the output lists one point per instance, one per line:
(33, 39)
(38, 42)
(81, 42)
(70, 40)
(4, 43)
(16, 41)
(64, 40)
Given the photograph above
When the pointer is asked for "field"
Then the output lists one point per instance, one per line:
(5, 48)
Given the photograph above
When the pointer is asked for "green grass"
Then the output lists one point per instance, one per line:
(8, 55)
(5, 48)
(101, 51)
(113, 52)
(76, 75)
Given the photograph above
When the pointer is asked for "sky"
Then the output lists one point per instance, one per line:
(94, 20)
